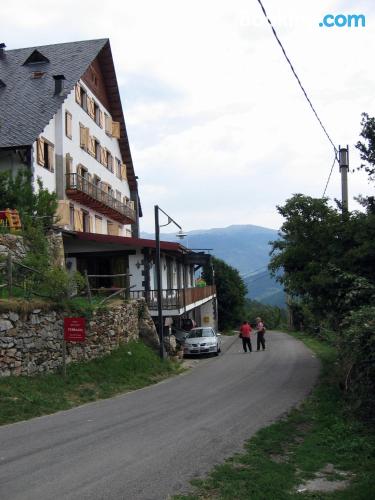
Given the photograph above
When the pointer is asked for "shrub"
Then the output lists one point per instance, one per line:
(357, 352)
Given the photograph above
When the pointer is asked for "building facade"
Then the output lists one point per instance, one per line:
(61, 118)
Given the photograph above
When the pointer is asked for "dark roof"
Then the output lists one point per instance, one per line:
(28, 104)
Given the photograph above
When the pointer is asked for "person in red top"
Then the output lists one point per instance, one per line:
(245, 332)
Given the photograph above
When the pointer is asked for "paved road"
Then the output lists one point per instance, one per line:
(147, 444)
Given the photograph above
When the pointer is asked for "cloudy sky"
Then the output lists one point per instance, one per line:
(220, 132)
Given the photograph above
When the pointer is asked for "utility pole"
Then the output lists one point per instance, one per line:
(344, 168)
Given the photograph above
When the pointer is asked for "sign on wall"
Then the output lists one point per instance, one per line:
(74, 329)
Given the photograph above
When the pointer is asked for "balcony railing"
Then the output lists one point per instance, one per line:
(174, 298)
(87, 193)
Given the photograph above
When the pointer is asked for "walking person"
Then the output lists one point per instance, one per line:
(261, 330)
(245, 332)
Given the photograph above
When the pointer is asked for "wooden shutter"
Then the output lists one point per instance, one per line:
(123, 172)
(91, 145)
(68, 124)
(108, 125)
(101, 119)
(78, 220)
(112, 229)
(90, 107)
(104, 156)
(40, 152)
(78, 94)
(68, 164)
(51, 157)
(116, 130)
(98, 225)
(63, 213)
(83, 136)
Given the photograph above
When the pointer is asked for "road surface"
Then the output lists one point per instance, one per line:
(148, 444)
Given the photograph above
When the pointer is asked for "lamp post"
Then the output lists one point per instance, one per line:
(180, 235)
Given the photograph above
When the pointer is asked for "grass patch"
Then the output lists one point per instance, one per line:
(23, 397)
(282, 456)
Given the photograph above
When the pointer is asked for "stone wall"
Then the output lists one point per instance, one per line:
(32, 343)
(14, 244)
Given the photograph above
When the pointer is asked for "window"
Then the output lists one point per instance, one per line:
(84, 99)
(118, 195)
(110, 162)
(45, 154)
(96, 114)
(71, 215)
(112, 229)
(86, 221)
(68, 170)
(68, 124)
(98, 224)
(118, 167)
(97, 149)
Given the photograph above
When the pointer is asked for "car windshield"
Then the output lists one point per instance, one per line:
(201, 332)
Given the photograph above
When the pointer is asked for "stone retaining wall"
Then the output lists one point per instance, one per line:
(32, 343)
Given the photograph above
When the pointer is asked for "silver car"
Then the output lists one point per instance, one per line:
(202, 340)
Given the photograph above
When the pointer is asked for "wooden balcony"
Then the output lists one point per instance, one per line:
(83, 191)
(174, 298)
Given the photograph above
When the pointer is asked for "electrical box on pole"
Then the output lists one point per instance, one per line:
(344, 168)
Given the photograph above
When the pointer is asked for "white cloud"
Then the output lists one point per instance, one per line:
(219, 129)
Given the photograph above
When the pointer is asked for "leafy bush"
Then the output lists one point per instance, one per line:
(58, 284)
(357, 352)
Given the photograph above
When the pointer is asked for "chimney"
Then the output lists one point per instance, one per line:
(59, 84)
(2, 51)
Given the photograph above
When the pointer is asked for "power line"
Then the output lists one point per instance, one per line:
(329, 177)
(249, 273)
(302, 88)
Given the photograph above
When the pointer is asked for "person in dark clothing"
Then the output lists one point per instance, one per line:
(261, 330)
(245, 332)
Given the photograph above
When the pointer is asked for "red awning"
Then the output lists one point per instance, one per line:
(130, 242)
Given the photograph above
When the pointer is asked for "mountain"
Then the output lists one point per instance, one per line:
(245, 247)
(265, 289)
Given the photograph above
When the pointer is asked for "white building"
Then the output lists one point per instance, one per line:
(61, 117)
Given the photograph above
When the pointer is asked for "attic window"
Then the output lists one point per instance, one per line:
(36, 57)
(37, 74)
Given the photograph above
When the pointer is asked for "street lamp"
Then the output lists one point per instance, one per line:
(180, 235)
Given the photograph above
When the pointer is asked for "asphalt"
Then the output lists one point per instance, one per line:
(148, 444)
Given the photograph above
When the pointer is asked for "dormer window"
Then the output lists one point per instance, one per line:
(36, 57)
(35, 75)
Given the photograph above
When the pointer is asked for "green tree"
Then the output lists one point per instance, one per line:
(16, 192)
(327, 260)
(231, 291)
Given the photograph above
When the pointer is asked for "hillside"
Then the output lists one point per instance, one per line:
(245, 247)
